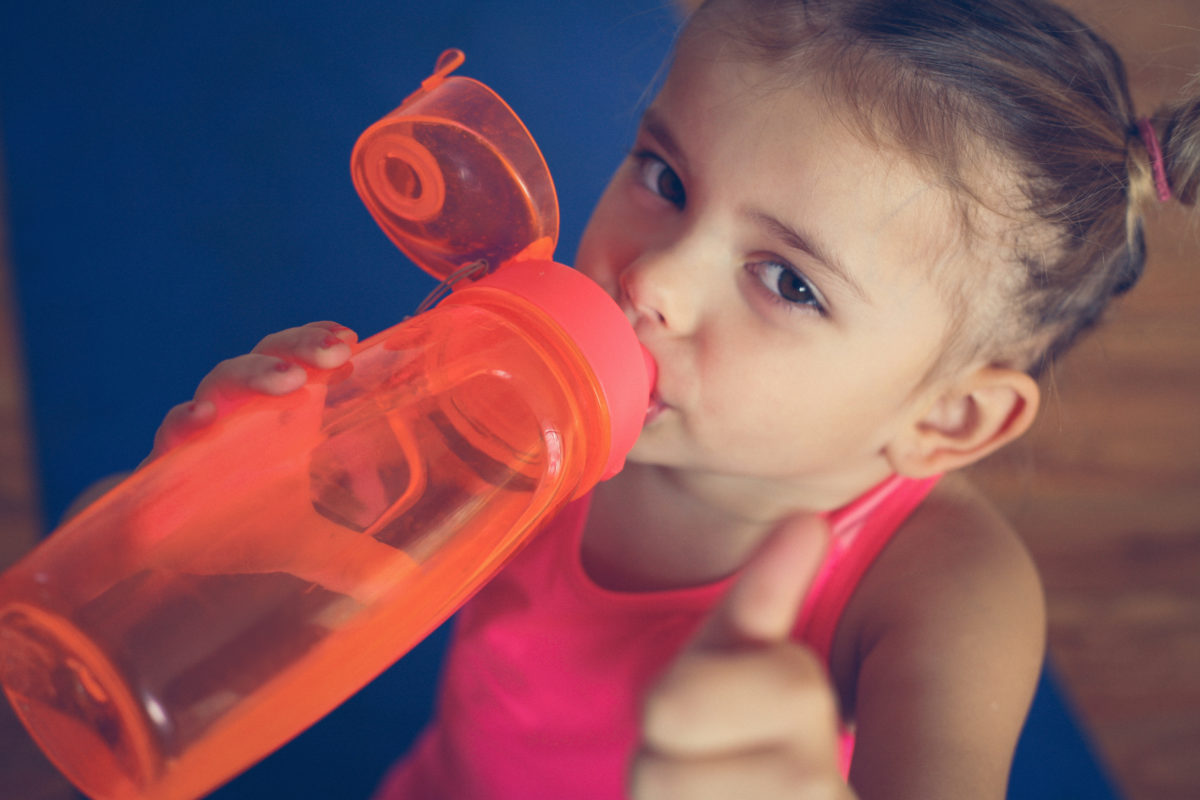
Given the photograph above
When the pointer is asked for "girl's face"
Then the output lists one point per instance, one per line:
(790, 279)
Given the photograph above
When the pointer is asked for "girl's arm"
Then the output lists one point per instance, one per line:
(944, 641)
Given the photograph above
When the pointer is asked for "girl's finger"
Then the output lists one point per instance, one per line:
(324, 345)
(180, 423)
(763, 603)
(716, 703)
(767, 773)
(234, 381)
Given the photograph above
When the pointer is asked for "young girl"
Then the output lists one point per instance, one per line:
(851, 233)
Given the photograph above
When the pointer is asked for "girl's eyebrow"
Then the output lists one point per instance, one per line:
(794, 239)
(653, 124)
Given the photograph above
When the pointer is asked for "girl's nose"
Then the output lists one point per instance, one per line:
(657, 288)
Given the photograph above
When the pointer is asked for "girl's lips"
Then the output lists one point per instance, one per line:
(655, 407)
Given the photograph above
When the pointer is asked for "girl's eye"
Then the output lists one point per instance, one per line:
(786, 285)
(659, 178)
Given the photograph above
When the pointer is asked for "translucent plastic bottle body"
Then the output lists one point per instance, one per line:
(230, 594)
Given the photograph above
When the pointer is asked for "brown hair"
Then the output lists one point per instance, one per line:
(1034, 86)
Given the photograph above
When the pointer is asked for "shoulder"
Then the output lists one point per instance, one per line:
(942, 644)
(954, 562)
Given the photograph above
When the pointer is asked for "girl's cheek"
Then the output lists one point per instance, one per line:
(613, 238)
(601, 241)
(599, 268)
(592, 259)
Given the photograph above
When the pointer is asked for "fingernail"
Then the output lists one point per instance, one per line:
(330, 341)
(344, 334)
(199, 408)
(283, 366)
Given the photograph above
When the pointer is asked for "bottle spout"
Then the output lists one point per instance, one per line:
(653, 403)
(651, 370)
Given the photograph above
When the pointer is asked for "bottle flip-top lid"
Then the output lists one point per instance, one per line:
(455, 179)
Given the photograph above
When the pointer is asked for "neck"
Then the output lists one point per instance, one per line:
(656, 528)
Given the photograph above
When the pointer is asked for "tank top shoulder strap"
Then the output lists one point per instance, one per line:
(859, 532)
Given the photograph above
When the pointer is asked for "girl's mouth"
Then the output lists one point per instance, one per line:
(654, 408)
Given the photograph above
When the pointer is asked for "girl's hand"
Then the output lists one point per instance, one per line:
(274, 367)
(743, 711)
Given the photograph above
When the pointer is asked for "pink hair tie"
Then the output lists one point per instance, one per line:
(1150, 139)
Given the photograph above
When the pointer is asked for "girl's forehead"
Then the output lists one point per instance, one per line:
(724, 88)
(738, 128)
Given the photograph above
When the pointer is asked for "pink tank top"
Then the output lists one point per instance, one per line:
(541, 687)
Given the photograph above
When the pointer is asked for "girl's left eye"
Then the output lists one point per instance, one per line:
(657, 176)
(786, 285)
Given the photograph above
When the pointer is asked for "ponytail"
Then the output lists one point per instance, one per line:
(1163, 167)
(1181, 147)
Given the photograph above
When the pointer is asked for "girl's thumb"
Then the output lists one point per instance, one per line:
(762, 605)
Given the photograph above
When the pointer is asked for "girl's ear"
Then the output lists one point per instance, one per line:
(983, 411)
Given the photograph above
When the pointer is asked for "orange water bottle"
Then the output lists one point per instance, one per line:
(232, 592)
